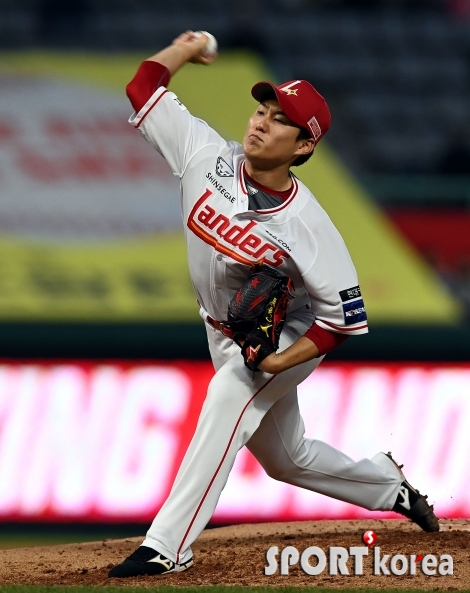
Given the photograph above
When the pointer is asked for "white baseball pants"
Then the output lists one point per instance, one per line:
(263, 414)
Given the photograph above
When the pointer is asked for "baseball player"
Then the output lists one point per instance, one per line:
(241, 205)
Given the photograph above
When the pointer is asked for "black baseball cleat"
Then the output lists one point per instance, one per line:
(146, 561)
(414, 505)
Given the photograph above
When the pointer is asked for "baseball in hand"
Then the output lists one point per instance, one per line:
(211, 45)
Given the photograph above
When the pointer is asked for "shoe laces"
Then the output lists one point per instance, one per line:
(143, 553)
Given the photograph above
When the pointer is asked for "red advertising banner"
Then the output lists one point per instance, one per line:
(87, 441)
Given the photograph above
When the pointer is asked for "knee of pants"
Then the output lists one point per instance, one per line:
(281, 470)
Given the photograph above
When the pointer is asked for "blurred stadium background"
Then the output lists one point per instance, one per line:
(104, 361)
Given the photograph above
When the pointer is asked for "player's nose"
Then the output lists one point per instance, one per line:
(261, 125)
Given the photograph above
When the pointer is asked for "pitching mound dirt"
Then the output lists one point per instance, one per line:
(237, 556)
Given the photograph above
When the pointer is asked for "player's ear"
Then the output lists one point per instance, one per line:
(306, 146)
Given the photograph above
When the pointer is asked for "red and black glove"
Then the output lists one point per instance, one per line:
(257, 312)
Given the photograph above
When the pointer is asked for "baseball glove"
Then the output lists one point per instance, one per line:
(257, 312)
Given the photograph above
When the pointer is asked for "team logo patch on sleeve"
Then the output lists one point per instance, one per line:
(350, 293)
(354, 312)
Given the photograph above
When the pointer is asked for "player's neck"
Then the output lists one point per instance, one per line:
(277, 179)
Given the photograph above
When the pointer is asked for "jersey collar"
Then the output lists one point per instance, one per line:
(287, 201)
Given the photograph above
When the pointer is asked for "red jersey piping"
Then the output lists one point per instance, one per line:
(151, 107)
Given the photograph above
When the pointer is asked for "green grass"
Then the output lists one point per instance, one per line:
(200, 589)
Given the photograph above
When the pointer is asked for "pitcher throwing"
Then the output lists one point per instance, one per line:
(242, 206)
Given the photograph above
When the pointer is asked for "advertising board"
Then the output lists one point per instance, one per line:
(85, 441)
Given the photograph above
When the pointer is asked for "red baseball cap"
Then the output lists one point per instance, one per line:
(300, 102)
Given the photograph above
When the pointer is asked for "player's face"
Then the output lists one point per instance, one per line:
(271, 137)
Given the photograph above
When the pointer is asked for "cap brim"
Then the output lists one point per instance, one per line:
(264, 90)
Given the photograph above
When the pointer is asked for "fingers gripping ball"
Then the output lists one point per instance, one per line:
(257, 312)
(211, 45)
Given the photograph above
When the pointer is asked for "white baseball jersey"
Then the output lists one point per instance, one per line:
(257, 410)
(224, 238)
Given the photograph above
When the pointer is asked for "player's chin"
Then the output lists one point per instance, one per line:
(254, 150)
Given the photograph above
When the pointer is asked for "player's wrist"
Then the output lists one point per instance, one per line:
(185, 48)
(185, 51)
(279, 363)
(272, 364)
(190, 46)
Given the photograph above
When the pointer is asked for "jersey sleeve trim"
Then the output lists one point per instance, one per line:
(137, 119)
(350, 331)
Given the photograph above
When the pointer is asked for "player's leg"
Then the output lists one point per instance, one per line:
(286, 455)
(378, 483)
(235, 404)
